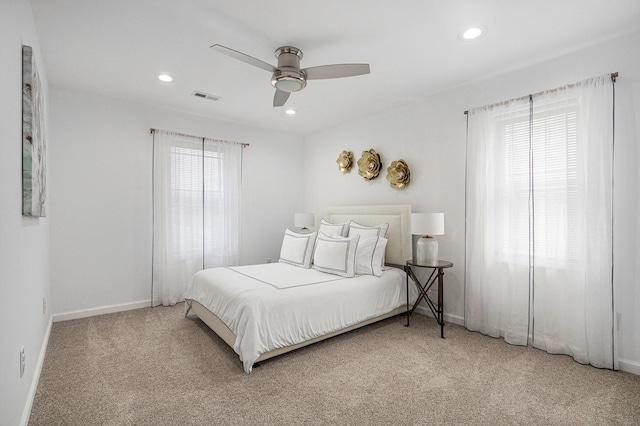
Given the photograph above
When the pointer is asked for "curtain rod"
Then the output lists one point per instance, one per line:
(614, 76)
(151, 130)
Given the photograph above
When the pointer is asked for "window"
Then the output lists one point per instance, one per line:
(539, 238)
(540, 192)
(197, 180)
(196, 213)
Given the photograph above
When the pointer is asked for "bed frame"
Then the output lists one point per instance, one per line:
(398, 251)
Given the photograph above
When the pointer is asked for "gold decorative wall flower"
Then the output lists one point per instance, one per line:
(369, 165)
(398, 174)
(345, 161)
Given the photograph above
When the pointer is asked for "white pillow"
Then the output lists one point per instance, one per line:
(329, 228)
(336, 255)
(297, 249)
(370, 256)
(368, 231)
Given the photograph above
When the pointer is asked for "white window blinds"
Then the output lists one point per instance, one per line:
(540, 165)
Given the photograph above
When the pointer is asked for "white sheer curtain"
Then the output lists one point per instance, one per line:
(539, 221)
(196, 210)
(497, 290)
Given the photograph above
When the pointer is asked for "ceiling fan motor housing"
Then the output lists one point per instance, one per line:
(288, 77)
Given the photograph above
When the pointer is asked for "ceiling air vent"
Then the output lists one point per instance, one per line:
(203, 95)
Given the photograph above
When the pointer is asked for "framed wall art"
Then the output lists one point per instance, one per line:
(34, 174)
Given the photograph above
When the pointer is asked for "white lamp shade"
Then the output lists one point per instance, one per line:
(427, 223)
(303, 220)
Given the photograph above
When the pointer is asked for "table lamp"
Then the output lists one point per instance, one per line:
(427, 225)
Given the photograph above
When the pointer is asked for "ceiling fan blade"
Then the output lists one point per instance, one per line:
(336, 71)
(244, 58)
(280, 98)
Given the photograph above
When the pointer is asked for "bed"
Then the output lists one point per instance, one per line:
(262, 311)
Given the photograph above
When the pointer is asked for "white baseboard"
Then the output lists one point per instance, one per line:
(455, 319)
(26, 412)
(629, 366)
(84, 313)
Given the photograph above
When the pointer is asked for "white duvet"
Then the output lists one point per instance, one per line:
(275, 305)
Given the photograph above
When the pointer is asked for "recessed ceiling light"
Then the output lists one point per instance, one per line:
(290, 111)
(473, 33)
(165, 78)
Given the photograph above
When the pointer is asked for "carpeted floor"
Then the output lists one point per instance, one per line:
(155, 367)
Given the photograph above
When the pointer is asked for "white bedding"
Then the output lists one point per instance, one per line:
(274, 305)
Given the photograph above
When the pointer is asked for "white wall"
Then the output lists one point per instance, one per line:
(100, 169)
(430, 136)
(24, 242)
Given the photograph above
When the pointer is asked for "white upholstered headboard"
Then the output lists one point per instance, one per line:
(397, 216)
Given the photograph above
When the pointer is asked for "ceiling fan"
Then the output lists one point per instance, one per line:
(287, 77)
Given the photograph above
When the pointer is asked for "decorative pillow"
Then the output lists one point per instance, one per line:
(297, 249)
(329, 228)
(336, 255)
(370, 256)
(368, 231)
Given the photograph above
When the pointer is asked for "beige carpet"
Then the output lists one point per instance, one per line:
(156, 367)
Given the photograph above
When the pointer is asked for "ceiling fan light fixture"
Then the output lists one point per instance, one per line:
(288, 81)
(287, 85)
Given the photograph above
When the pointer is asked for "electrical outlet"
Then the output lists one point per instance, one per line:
(44, 305)
(22, 361)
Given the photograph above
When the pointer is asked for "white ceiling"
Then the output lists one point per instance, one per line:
(115, 48)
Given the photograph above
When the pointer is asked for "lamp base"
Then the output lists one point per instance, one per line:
(427, 250)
